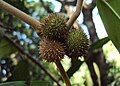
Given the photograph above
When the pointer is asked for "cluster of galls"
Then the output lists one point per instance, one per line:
(58, 40)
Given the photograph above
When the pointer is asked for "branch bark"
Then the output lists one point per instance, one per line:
(21, 15)
(63, 73)
(75, 14)
(98, 56)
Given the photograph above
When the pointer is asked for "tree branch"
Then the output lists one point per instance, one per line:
(21, 15)
(98, 56)
(93, 74)
(63, 73)
(75, 14)
(30, 57)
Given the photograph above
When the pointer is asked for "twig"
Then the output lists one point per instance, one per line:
(75, 14)
(32, 59)
(9, 28)
(63, 73)
(21, 15)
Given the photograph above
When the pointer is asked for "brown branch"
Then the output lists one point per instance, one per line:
(21, 15)
(63, 73)
(3, 26)
(87, 18)
(75, 14)
(30, 57)
(93, 74)
(98, 56)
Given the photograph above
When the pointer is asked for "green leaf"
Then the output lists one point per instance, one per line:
(15, 83)
(40, 83)
(99, 43)
(110, 13)
(22, 83)
(6, 48)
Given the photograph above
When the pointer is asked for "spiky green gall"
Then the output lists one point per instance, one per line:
(54, 26)
(51, 51)
(77, 43)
